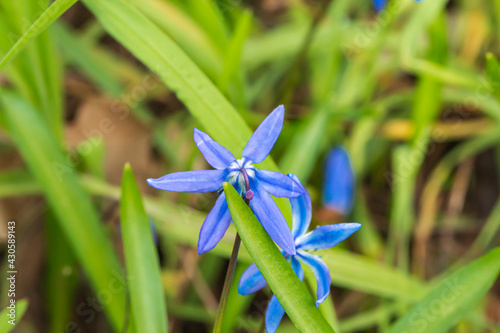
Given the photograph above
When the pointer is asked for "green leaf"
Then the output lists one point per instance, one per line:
(61, 276)
(367, 275)
(284, 283)
(156, 50)
(232, 57)
(141, 258)
(493, 71)
(189, 36)
(36, 73)
(307, 144)
(20, 309)
(56, 9)
(70, 203)
(452, 298)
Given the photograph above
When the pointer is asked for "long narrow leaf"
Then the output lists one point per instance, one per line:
(291, 293)
(146, 294)
(70, 203)
(56, 9)
(453, 298)
(20, 308)
(155, 49)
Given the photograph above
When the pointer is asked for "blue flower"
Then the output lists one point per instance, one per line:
(253, 184)
(338, 185)
(321, 238)
(380, 4)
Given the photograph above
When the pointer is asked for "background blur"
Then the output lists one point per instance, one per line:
(408, 91)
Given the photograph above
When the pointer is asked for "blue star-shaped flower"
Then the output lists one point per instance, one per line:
(321, 238)
(253, 184)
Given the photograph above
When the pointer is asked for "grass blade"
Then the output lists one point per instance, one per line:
(291, 293)
(56, 9)
(146, 294)
(21, 307)
(155, 49)
(70, 203)
(62, 278)
(453, 298)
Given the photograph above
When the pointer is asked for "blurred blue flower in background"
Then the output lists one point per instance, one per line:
(322, 237)
(253, 184)
(338, 185)
(380, 4)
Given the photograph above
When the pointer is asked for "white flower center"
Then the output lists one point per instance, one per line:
(236, 177)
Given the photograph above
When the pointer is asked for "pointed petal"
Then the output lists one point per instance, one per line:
(274, 314)
(326, 236)
(264, 137)
(215, 154)
(251, 281)
(338, 189)
(297, 268)
(271, 218)
(190, 181)
(301, 210)
(278, 184)
(321, 272)
(215, 225)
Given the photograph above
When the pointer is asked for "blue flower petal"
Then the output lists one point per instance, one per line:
(278, 184)
(215, 225)
(301, 210)
(215, 154)
(251, 281)
(274, 314)
(379, 4)
(338, 189)
(321, 272)
(297, 268)
(271, 218)
(326, 236)
(190, 181)
(264, 137)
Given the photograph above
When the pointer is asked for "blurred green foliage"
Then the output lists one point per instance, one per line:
(412, 92)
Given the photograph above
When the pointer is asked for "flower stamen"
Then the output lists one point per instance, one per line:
(248, 191)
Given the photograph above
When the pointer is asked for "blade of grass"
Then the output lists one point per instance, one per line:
(56, 9)
(423, 15)
(232, 58)
(61, 277)
(432, 188)
(36, 72)
(408, 159)
(290, 292)
(186, 33)
(141, 259)
(155, 49)
(488, 231)
(453, 298)
(210, 18)
(20, 309)
(493, 72)
(70, 203)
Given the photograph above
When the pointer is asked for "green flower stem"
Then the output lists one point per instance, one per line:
(227, 284)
